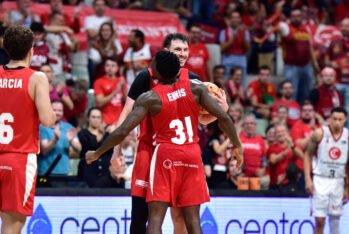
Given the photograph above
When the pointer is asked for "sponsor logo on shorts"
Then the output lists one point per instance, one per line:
(141, 183)
(39, 222)
(181, 164)
(167, 164)
(334, 153)
(6, 168)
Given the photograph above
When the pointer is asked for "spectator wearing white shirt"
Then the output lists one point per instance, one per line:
(93, 22)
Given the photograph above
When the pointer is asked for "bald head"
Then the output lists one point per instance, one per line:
(328, 76)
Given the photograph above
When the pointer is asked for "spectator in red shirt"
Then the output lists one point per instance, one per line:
(262, 93)
(303, 129)
(56, 6)
(41, 50)
(286, 99)
(281, 115)
(326, 97)
(254, 150)
(199, 58)
(298, 54)
(110, 92)
(341, 11)
(338, 57)
(78, 94)
(236, 91)
(280, 155)
(235, 43)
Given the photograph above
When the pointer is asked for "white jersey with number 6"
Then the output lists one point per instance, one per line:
(332, 154)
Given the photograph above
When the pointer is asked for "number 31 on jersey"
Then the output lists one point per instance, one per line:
(181, 137)
(6, 131)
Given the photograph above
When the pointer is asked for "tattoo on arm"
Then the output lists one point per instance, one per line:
(312, 145)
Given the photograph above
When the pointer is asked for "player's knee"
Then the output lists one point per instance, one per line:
(177, 215)
(320, 222)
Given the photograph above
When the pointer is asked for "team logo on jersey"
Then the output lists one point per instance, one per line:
(167, 164)
(334, 153)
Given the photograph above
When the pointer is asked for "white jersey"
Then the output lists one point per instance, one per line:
(133, 59)
(332, 155)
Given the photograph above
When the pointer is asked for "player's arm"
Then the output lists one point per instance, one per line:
(39, 91)
(141, 108)
(203, 97)
(222, 101)
(125, 111)
(308, 157)
(347, 173)
(140, 85)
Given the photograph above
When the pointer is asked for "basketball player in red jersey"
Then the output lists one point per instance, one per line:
(177, 44)
(173, 106)
(24, 101)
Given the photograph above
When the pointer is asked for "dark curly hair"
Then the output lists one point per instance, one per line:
(18, 40)
(167, 64)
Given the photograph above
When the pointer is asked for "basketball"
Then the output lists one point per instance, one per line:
(213, 90)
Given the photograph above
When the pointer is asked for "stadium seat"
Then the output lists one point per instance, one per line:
(215, 54)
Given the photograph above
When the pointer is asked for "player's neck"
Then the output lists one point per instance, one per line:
(17, 63)
(335, 132)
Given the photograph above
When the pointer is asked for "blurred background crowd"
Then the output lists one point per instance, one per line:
(282, 64)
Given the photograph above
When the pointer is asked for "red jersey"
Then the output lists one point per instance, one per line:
(40, 56)
(294, 110)
(329, 98)
(279, 168)
(111, 110)
(178, 119)
(266, 94)
(296, 48)
(19, 120)
(254, 150)
(198, 57)
(338, 52)
(300, 131)
(238, 46)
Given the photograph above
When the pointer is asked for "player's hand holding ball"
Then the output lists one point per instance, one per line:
(237, 154)
(218, 94)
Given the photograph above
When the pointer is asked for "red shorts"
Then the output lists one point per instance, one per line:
(177, 176)
(140, 173)
(17, 182)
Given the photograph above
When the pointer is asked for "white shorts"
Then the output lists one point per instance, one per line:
(328, 196)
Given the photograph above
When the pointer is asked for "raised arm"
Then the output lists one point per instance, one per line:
(141, 108)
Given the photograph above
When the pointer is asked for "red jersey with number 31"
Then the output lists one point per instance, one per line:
(177, 122)
(19, 121)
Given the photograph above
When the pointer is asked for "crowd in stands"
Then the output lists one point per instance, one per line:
(280, 72)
